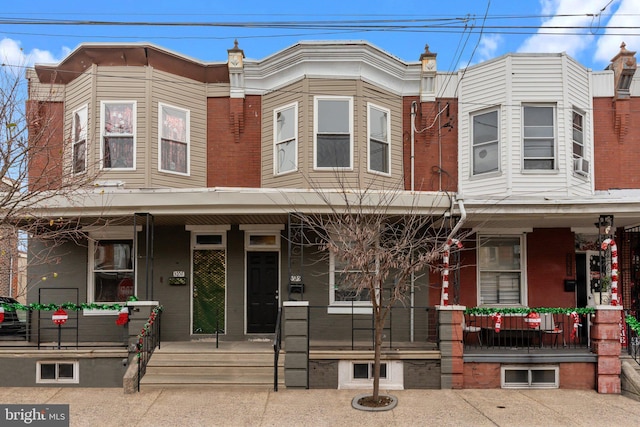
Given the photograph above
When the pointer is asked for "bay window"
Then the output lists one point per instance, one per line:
(486, 150)
(285, 139)
(379, 143)
(79, 143)
(539, 137)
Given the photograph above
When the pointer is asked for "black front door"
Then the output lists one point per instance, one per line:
(262, 292)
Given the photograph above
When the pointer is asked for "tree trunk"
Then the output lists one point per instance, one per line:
(377, 347)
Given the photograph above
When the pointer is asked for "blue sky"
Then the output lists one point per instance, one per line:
(510, 26)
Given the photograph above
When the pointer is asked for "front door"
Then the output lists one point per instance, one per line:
(208, 291)
(262, 292)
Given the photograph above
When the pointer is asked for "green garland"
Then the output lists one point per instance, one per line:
(633, 323)
(488, 311)
(67, 306)
(147, 328)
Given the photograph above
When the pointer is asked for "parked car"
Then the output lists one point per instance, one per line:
(15, 322)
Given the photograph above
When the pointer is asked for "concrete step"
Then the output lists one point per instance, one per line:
(211, 368)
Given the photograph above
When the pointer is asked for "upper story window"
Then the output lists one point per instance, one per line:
(539, 137)
(79, 143)
(333, 132)
(285, 124)
(500, 270)
(379, 142)
(118, 124)
(486, 149)
(580, 164)
(174, 139)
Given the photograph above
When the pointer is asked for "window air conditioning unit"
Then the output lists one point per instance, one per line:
(581, 166)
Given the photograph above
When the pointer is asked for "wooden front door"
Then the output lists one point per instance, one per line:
(262, 292)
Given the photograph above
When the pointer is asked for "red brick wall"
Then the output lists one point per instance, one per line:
(616, 143)
(547, 252)
(427, 168)
(573, 376)
(233, 142)
(46, 121)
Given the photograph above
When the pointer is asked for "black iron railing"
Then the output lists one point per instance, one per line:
(148, 339)
(277, 346)
(511, 331)
(633, 338)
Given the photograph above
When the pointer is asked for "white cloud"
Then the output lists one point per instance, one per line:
(563, 39)
(11, 53)
(490, 44)
(609, 44)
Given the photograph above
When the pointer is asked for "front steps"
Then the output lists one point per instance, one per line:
(239, 365)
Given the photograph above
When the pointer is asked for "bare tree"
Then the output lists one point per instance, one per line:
(383, 238)
(34, 166)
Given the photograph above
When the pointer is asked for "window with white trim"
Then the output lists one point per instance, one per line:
(485, 138)
(358, 374)
(333, 132)
(500, 270)
(341, 290)
(285, 124)
(173, 135)
(580, 163)
(48, 372)
(79, 143)
(379, 142)
(118, 134)
(539, 137)
(112, 274)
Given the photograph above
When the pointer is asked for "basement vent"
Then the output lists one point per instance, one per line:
(529, 377)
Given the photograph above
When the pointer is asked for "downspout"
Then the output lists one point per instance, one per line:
(463, 216)
(414, 105)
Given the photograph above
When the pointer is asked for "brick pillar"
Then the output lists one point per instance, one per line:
(296, 343)
(451, 347)
(605, 335)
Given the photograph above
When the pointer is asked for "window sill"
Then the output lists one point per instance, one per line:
(355, 309)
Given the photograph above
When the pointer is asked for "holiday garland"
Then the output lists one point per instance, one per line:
(633, 323)
(15, 306)
(146, 329)
(489, 311)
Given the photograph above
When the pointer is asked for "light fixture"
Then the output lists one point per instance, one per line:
(605, 224)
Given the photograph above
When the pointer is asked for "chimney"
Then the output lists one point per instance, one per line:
(428, 75)
(624, 67)
(236, 70)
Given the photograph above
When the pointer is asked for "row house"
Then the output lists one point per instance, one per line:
(200, 166)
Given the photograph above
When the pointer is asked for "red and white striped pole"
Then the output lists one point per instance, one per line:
(614, 268)
(444, 298)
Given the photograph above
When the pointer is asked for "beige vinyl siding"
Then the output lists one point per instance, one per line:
(188, 94)
(124, 84)
(303, 92)
(78, 95)
(42, 91)
(217, 90)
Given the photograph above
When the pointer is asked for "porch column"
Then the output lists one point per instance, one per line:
(296, 344)
(451, 347)
(605, 335)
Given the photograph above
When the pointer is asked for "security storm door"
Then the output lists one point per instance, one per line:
(208, 291)
(262, 291)
(209, 279)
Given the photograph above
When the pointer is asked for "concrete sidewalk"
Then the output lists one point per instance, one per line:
(212, 407)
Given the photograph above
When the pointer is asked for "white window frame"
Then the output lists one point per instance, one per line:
(344, 307)
(371, 138)
(277, 142)
(79, 137)
(523, 268)
(579, 160)
(529, 369)
(495, 142)
(104, 133)
(112, 233)
(57, 380)
(186, 143)
(393, 381)
(554, 127)
(316, 101)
